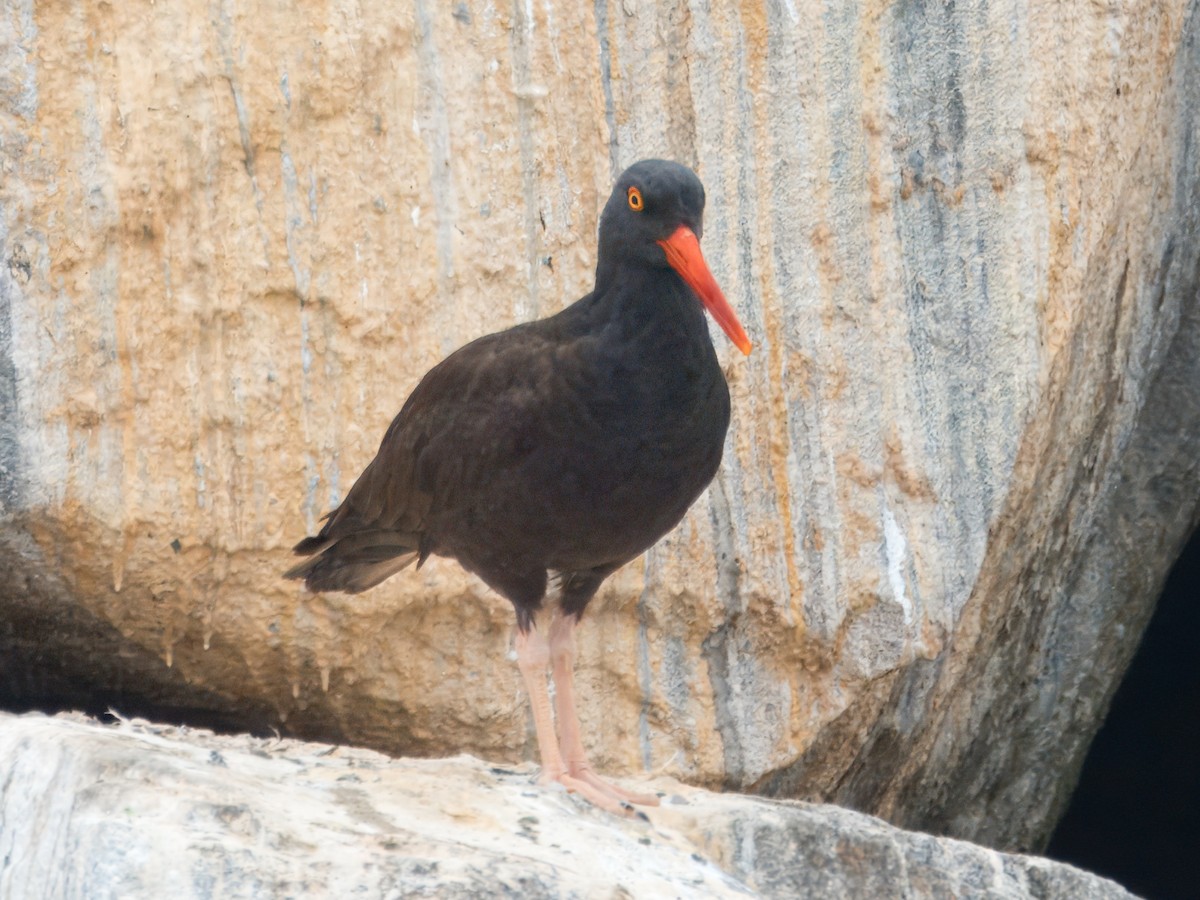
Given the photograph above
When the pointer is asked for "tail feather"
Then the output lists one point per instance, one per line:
(311, 545)
(355, 562)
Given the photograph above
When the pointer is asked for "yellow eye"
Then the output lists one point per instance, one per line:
(635, 199)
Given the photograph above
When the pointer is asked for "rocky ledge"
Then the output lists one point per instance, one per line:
(137, 810)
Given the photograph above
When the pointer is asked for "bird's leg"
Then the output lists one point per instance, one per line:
(533, 657)
(562, 658)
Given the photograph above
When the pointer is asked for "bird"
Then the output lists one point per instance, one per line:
(557, 451)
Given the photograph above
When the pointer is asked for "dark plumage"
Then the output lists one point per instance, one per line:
(566, 445)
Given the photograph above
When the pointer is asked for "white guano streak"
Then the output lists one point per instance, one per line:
(895, 549)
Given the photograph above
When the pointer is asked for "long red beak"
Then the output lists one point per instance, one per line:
(684, 256)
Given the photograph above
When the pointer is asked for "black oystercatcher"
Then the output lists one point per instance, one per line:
(565, 446)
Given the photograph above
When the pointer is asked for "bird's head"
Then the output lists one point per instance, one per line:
(656, 216)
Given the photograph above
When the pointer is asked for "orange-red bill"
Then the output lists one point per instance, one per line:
(684, 256)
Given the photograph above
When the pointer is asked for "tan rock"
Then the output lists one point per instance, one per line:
(961, 458)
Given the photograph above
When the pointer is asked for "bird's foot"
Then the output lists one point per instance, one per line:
(585, 774)
(600, 793)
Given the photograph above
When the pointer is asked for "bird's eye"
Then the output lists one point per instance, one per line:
(635, 199)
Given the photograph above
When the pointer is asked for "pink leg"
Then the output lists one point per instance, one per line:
(562, 657)
(533, 656)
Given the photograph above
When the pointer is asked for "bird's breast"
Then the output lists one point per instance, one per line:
(623, 475)
(594, 450)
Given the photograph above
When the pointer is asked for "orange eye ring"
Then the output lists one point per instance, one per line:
(636, 203)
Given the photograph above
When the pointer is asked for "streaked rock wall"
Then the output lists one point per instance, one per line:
(964, 240)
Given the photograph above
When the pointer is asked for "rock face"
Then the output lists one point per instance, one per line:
(141, 811)
(964, 238)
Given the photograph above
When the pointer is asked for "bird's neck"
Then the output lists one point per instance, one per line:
(650, 306)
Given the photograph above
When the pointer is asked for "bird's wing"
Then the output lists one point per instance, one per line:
(471, 417)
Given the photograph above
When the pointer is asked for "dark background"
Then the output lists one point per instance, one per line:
(1135, 816)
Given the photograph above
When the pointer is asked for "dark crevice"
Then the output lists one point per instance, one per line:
(1135, 814)
(56, 656)
(77, 663)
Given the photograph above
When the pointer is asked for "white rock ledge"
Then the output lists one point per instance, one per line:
(136, 810)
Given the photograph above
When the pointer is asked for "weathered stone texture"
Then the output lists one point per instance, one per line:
(140, 812)
(963, 237)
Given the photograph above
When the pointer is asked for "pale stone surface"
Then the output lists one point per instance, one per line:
(963, 237)
(142, 811)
